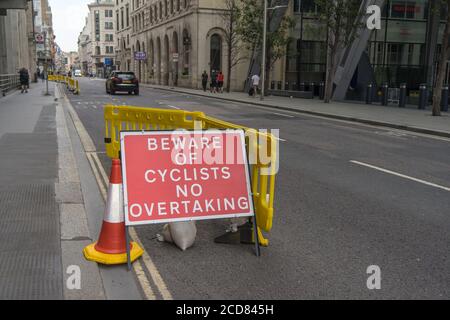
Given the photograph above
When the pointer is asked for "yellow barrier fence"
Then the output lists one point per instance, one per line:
(72, 84)
(263, 171)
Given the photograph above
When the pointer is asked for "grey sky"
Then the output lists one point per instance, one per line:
(68, 21)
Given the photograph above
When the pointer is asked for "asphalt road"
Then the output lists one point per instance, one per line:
(333, 217)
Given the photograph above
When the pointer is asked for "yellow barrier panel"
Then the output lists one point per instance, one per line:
(118, 118)
(76, 90)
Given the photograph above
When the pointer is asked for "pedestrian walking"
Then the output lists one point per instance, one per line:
(205, 80)
(255, 84)
(24, 78)
(213, 85)
(220, 80)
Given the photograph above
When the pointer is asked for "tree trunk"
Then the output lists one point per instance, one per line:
(442, 68)
(229, 69)
(329, 83)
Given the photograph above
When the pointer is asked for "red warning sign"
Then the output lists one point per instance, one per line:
(173, 176)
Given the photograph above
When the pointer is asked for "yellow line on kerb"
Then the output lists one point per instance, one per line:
(103, 182)
(148, 262)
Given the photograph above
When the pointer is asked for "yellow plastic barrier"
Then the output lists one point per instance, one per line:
(118, 118)
(76, 89)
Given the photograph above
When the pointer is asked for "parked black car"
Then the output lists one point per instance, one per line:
(122, 81)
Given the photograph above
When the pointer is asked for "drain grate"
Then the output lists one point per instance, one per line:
(30, 250)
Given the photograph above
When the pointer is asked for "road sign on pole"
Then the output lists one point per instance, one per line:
(172, 176)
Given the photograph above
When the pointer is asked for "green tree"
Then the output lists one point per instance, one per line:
(444, 56)
(231, 17)
(338, 21)
(250, 29)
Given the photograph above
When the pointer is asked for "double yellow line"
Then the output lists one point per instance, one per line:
(103, 184)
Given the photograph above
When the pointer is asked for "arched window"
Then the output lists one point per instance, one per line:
(216, 52)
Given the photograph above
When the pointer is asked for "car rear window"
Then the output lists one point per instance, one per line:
(125, 76)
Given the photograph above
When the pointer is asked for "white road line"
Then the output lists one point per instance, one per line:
(283, 115)
(95, 107)
(401, 175)
(173, 107)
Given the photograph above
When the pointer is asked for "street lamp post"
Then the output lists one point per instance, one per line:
(264, 48)
(46, 63)
(263, 64)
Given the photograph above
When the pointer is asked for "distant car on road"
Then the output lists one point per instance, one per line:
(122, 81)
(77, 73)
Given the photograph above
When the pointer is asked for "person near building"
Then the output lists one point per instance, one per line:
(220, 80)
(24, 78)
(213, 85)
(255, 84)
(204, 80)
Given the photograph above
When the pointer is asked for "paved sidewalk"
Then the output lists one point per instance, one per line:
(42, 218)
(409, 118)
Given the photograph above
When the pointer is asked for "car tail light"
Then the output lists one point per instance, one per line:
(135, 80)
(116, 80)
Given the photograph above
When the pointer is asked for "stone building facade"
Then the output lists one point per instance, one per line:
(17, 49)
(178, 40)
(101, 32)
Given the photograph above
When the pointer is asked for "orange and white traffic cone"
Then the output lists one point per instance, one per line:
(111, 247)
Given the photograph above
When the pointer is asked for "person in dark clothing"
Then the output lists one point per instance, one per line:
(204, 80)
(24, 78)
(213, 85)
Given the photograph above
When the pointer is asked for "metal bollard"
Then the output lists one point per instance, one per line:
(384, 93)
(402, 98)
(423, 96)
(272, 85)
(279, 85)
(369, 94)
(286, 86)
(444, 98)
(322, 90)
(302, 86)
(294, 86)
(312, 88)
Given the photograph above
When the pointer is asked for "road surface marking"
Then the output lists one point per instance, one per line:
(400, 175)
(173, 107)
(283, 115)
(103, 183)
(154, 273)
(101, 178)
(145, 284)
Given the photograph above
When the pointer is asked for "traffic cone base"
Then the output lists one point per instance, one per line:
(92, 254)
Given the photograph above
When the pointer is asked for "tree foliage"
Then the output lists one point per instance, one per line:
(251, 26)
(230, 19)
(339, 21)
